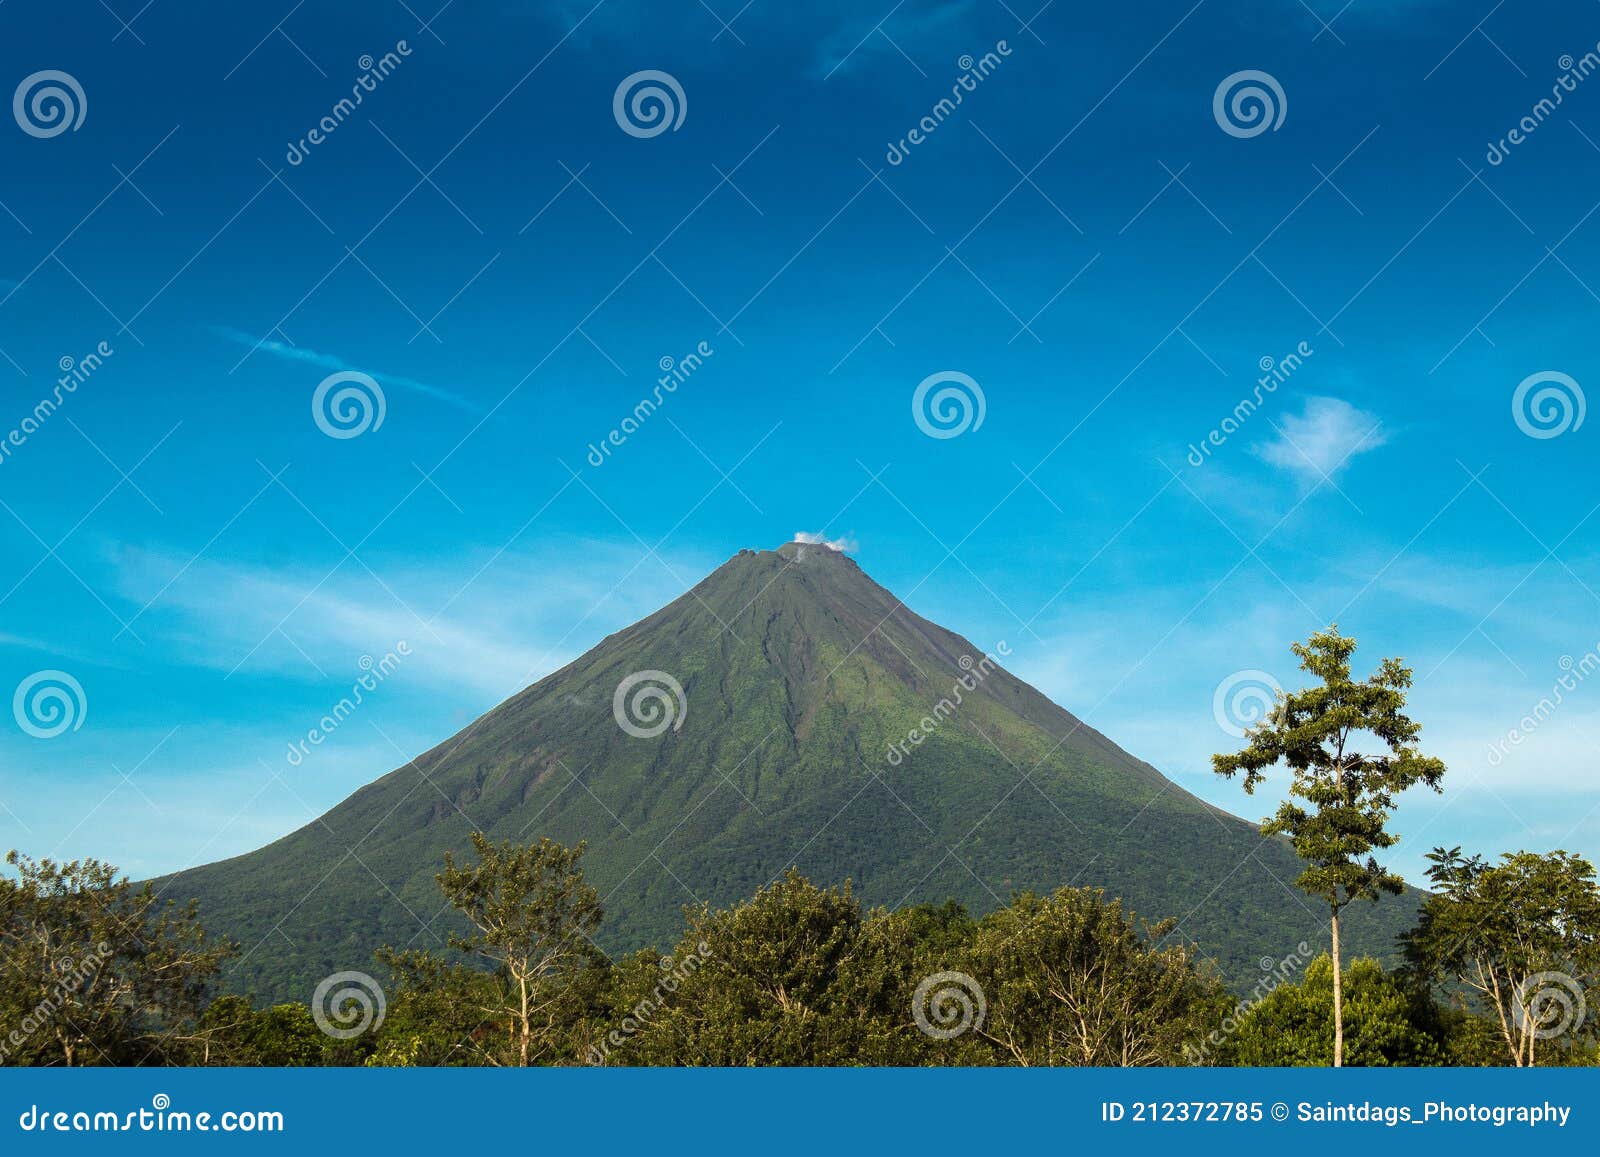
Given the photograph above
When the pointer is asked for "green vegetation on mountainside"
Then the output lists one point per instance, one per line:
(798, 673)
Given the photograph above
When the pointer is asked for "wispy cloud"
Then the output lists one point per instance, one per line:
(482, 625)
(1469, 692)
(912, 33)
(292, 353)
(1322, 439)
(844, 545)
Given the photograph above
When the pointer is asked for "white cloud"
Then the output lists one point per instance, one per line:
(845, 545)
(1322, 438)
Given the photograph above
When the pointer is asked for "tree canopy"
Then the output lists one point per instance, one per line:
(1342, 789)
(95, 970)
(1523, 937)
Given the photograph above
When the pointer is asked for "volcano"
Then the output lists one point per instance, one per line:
(786, 711)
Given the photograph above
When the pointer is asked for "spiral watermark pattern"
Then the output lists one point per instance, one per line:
(49, 703)
(1548, 404)
(1248, 103)
(647, 703)
(347, 1004)
(49, 103)
(1243, 700)
(348, 404)
(1548, 1004)
(948, 404)
(947, 1004)
(648, 103)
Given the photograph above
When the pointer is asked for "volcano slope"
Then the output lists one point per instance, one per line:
(799, 674)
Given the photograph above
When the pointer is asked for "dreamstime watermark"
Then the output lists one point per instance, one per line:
(648, 103)
(1277, 973)
(347, 404)
(646, 703)
(347, 1004)
(1548, 1004)
(74, 373)
(1573, 73)
(72, 977)
(1274, 372)
(159, 1118)
(49, 103)
(1573, 672)
(674, 372)
(673, 974)
(1248, 103)
(373, 673)
(1245, 699)
(948, 404)
(973, 73)
(49, 703)
(373, 73)
(975, 673)
(1548, 404)
(947, 1004)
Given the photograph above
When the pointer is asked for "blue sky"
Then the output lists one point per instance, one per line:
(1080, 236)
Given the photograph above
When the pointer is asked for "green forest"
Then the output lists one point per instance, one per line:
(98, 972)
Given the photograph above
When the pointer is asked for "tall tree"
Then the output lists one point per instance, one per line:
(1524, 934)
(533, 915)
(1348, 793)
